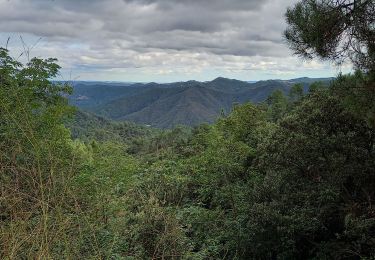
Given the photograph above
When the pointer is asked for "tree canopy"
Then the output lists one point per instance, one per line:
(290, 178)
(333, 30)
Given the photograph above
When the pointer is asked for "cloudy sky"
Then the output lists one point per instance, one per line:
(157, 40)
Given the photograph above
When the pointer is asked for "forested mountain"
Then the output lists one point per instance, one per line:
(87, 126)
(289, 178)
(167, 105)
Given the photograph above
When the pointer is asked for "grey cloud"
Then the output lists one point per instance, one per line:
(245, 28)
(209, 4)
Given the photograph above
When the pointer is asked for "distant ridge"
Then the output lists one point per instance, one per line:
(169, 104)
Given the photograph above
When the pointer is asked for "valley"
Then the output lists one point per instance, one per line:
(181, 103)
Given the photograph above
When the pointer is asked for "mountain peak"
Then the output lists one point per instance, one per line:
(219, 79)
(165, 105)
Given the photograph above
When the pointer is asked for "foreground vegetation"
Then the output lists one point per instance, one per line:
(291, 178)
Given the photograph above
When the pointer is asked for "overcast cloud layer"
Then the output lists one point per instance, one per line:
(157, 40)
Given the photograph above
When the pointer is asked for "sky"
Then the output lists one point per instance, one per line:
(158, 40)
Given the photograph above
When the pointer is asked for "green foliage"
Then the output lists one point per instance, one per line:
(333, 30)
(277, 104)
(357, 94)
(316, 86)
(58, 196)
(170, 104)
(250, 188)
(162, 144)
(244, 121)
(102, 181)
(87, 127)
(296, 92)
(290, 178)
(321, 152)
(37, 162)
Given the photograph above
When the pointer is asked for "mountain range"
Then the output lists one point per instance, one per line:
(170, 104)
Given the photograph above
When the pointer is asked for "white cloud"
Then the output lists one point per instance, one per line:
(104, 39)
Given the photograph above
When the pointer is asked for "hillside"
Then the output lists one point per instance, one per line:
(88, 126)
(189, 106)
(89, 95)
(166, 105)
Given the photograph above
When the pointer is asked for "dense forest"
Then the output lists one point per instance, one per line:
(167, 105)
(292, 177)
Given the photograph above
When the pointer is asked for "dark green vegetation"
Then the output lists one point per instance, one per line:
(183, 103)
(289, 178)
(87, 126)
(333, 30)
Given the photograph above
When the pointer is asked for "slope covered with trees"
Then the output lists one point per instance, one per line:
(292, 177)
(168, 105)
